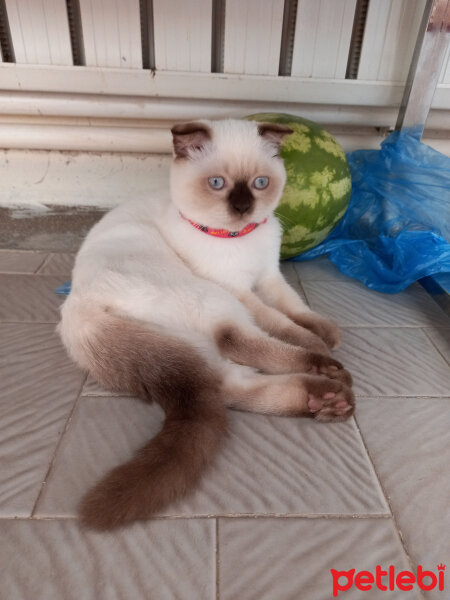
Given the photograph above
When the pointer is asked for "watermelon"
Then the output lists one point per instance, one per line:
(318, 183)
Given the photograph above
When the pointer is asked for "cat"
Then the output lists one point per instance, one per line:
(179, 299)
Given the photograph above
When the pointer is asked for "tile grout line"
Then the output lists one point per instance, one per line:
(301, 287)
(108, 394)
(393, 517)
(411, 327)
(242, 516)
(372, 464)
(427, 397)
(58, 443)
(29, 322)
(387, 326)
(217, 564)
(430, 339)
(17, 273)
(43, 263)
(390, 327)
(42, 276)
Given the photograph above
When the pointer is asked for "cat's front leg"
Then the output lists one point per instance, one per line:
(279, 325)
(246, 344)
(276, 292)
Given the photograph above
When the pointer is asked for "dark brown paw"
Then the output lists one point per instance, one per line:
(341, 375)
(325, 329)
(322, 364)
(329, 399)
(305, 338)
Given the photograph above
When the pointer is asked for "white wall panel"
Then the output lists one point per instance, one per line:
(445, 72)
(130, 109)
(390, 35)
(253, 36)
(322, 38)
(183, 35)
(39, 31)
(111, 33)
(220, 86)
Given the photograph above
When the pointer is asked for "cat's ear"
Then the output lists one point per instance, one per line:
(274, 133)
(189, 136)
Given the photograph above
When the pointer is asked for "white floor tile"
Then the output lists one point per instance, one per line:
(267, 465)
(267, 559)
(57, 560)
(393, 362)
(409, 442)
(351, 303)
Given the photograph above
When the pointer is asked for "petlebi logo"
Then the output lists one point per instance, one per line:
(388, 580)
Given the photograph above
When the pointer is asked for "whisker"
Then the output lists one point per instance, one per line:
(284, 220)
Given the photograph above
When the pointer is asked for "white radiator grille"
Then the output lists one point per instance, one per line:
(302, 38)
(213, 58)
(6, 50)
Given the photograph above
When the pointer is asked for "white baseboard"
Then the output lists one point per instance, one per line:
(86, 122)
(88, 150)
(34, 178)
(218, 86)
(144, 137)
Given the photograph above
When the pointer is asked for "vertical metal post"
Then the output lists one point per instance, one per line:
(426, 65)
(217, 35)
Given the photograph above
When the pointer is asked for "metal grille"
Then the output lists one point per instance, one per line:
(287, 37)
(76, 32)
(359, 26)
(147, 34)
(5, 35)
(218, 36)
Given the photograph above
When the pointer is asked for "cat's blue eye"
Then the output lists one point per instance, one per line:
(261, 182)
(216, 183)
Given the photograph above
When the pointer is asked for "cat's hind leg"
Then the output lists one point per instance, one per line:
(298, 394)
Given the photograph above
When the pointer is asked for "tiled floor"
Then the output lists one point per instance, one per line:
(287, 500)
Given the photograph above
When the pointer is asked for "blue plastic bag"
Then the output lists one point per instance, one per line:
(64, 288)
(397, 226)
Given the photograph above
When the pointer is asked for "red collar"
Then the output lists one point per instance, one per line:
(224, 233)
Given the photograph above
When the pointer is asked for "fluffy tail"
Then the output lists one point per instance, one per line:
(126, 356)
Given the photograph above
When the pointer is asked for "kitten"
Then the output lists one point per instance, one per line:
(179, 299)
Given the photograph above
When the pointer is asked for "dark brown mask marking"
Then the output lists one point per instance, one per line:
(240, 198)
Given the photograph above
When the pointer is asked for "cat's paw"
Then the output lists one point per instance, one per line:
(329, 399)
(323, 364)
(341, 375)
(325, 329)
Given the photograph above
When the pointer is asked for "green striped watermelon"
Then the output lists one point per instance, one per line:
(318, 183)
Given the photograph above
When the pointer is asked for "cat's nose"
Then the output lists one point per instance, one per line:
(240, 198)
(241, 206)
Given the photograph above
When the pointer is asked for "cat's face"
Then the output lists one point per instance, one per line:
(226, 174)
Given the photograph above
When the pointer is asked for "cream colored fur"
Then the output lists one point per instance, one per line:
(194, 322)
(145, 262)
